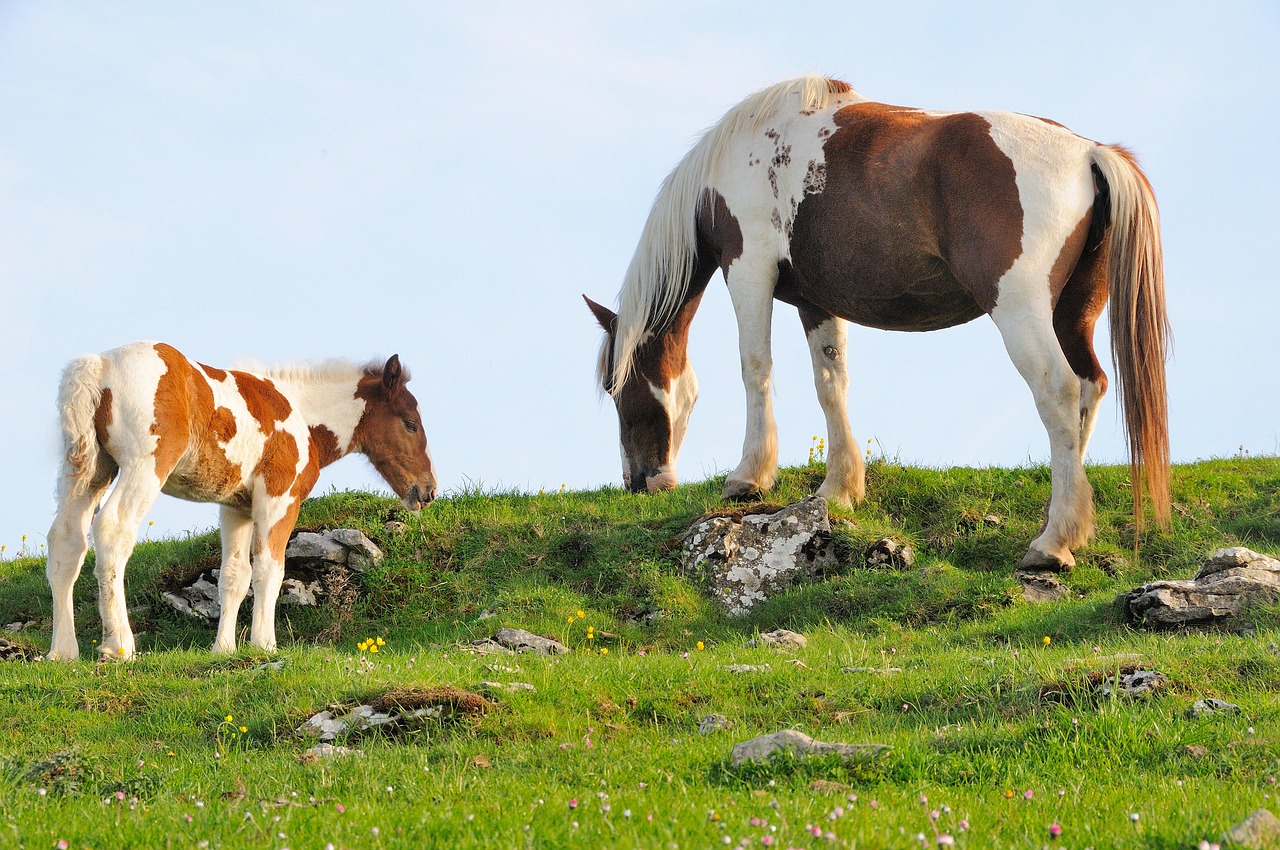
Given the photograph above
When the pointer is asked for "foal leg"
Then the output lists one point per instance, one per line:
(272, 534)
(828, 348)
(68, 544)
(233, 580)
(1023, 316)
(751, 288)
(115, 531)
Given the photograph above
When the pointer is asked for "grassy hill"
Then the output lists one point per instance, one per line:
(989, 723)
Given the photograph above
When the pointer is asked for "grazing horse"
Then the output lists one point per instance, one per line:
(254, 443)
(900, 219)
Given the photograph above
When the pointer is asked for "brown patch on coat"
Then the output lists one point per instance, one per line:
(324, 445)
(918, 220)
(265, 402)
(102, 416)
(838, 86)
(278, 466)
(1079, 303)
(719, 233)
(189, 460)
(214, 372)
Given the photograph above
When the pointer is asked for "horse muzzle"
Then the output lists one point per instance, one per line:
(419, 496)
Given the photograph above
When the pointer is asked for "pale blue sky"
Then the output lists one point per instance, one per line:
(286, 181)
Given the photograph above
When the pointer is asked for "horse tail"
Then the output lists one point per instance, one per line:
(79, 395)
(1140, 337)
(657, 279)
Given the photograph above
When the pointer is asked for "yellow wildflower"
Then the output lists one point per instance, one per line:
(381, 642)
(230, 718)
(604, 650)
(373, 648)
(580, 614)
(701, 645)
(1047, 640)
(244, 729)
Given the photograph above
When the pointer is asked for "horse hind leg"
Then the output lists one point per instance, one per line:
(828, 349)
(1074, 317)
(115, 531)
(1023, 317)
(68, 545)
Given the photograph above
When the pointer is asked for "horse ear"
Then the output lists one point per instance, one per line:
(606, 317)
(391, 374)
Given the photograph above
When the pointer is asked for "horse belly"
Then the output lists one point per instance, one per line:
(207, 475)
(893, 295)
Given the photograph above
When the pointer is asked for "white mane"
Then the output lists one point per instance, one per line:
(334, 370)
(659, 272)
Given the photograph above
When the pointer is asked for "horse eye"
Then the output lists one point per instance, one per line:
(411, 426)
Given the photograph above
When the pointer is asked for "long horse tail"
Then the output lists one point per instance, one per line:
(79, 395)
(658, 276)
(1140, 337)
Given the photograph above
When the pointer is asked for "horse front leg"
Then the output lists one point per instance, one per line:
(752, 292)
(273, 530)
(846, 481)
(233, 580)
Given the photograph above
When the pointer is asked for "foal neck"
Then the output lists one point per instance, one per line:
(326, 399)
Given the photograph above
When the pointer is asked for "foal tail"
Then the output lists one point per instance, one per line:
(1139, 324)
(79, 395)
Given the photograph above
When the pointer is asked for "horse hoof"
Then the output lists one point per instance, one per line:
(1037, 561)
(741, 491)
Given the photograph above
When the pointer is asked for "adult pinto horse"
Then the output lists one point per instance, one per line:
(900, 219)
(155, 422)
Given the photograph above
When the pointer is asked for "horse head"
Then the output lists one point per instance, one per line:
(654, 399)
(390, 434)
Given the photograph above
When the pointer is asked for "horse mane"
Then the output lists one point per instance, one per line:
(658, 275)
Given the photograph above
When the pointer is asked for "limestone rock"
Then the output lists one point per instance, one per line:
(780, 639)
(521, 641)
(346, 546)
(198, 599)
(1139, 683)
(328, 751)
(890, 552)
(10, 651)
(508, 687)
(799, 744)
(1041, 586)
(1228, 582)
(1209, 707)
(745, 561)
(487, 646)
(745, 668)
(1259, 831)
(713, 723)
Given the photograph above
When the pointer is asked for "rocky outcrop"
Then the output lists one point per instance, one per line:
(746, 559)
(1228, 583)
(790, 741)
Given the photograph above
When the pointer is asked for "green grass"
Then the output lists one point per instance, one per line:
(981, 705)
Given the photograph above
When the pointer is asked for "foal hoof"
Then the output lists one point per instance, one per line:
(1037, 561)
(741, 491)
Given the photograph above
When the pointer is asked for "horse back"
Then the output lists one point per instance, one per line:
(907, 219)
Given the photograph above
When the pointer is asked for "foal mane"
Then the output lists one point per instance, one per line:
(335, 370)
(658, 275)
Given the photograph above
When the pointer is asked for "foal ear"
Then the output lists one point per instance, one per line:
(606, 317)
(391, 374)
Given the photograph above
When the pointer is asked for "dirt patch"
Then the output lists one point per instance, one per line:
(456, 700)
(15, 651)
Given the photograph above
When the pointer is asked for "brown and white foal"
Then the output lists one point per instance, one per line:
(145, 416)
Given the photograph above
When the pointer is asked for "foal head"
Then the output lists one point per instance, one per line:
(654, 401)
(390, 434)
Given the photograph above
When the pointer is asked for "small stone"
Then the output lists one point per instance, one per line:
(277, 666)
(1259, 831)
(14, 628)
(884, 670)
(313, 546)
(297, 592)
(888, 551)
(328, 751)
(487, 647)
(323, 725)
(1211, 706)
(362, 552)
(745, 668)
(509, 687)
(522, 641)
(1139, 683)
(1196, 751)
(713, 723)
(759, 749)
(395, 527)
(780, 639)
(1041, 586)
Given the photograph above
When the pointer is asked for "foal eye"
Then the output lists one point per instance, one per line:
(411, 426)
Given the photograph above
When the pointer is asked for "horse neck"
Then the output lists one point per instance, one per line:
(331, 410)
(673, 342)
